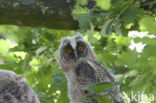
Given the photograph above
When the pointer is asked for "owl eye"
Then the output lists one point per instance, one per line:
(69, 51)
(80, 48)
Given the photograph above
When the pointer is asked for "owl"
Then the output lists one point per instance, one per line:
(14, 89)
(81, 67)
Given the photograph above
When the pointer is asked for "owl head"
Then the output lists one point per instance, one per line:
(74, 49)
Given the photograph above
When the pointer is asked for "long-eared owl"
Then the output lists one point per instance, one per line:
(81, 67)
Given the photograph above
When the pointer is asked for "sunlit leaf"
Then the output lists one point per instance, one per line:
(104, 4)
(148, 24)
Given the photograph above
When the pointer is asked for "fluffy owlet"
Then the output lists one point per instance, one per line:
(81, 67)
(14, 89)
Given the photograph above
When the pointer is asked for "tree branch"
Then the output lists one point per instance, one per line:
(54, 14)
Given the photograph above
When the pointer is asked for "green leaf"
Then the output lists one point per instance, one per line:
(131, 16)
(4, 45)
(82, 2)
(107, 27)
(152, 62)
(123, 40)
(85, 21)
(79, 10)
(104, 4)
(146, 40)
(150, 50)
(148, 24)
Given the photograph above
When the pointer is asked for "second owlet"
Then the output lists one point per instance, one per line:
(81, 67)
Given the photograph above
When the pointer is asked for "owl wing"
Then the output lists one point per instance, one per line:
(93, 72)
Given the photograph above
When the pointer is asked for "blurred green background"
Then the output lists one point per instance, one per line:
(123, 36)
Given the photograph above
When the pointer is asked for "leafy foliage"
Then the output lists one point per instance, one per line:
(33, 52)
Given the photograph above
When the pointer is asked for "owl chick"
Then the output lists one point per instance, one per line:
(14, 89)
(81, 67)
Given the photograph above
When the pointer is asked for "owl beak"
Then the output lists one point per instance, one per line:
(75, 54)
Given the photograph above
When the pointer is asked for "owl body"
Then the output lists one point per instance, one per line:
(14, 89)
(81, 67)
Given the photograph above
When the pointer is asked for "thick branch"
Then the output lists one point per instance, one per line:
(54, 14)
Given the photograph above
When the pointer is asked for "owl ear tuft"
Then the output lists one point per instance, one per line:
(62, 40)
(78, 35)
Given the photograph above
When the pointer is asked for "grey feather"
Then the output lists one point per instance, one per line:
(14, 89)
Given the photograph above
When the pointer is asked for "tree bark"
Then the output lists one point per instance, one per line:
(55, 14)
